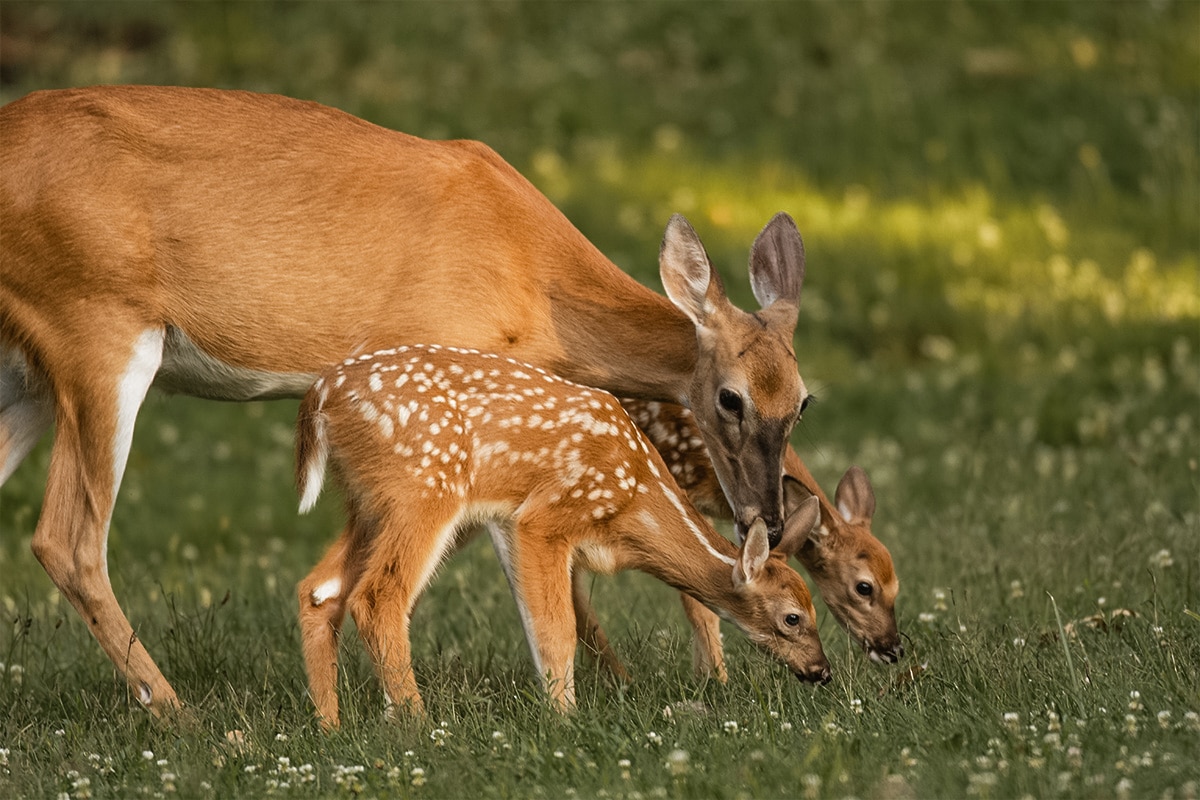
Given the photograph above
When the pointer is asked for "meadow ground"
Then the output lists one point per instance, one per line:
(1001, 321)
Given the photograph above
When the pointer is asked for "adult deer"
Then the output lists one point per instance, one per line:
(232, 245)
(851, 568)
(429, 442)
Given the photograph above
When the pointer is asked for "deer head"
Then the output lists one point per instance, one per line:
(852, 568)
(745, 393)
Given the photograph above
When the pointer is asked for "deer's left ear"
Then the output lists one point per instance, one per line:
(755, 552)
(777, 266)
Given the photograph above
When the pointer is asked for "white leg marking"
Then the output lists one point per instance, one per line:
(326, 590)
(314, 470)
(131, 391)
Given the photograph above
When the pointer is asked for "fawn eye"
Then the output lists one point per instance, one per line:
(792, 620)
(808, 398)
(863, 588)
(730, 401)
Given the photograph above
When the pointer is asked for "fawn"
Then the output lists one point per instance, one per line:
(429, 442)
(852, 569)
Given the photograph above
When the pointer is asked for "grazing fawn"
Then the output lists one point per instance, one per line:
(429, 441)
(852, 569)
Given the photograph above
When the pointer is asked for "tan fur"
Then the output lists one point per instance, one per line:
(429, 442)
(843, 554)
(265, 238)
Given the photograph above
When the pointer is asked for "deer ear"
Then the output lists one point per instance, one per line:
(854, 497)
(777, 263)
(687, 275)
(755, 552)
(801, 524)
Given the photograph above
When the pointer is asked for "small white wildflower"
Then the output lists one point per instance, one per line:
(1192, 719)
(1012, 719)
(1164, 719)
(497, 736)
(162, 762)
(785, 726)
(1162, 559)
(926, 617)
(1124, 787)
(677, 761)
(812, 786)
(559, 754)
(250, 769)
(148, 755)
(653, 738)
(206, 786)
(438, 735)
(1135, 700)
(60, 732)
(856, 706)
(1131, 725)
(624, 764)
(1102, 601)
(281, 737)
(1019, 642)
(731, 726)
(418, 776)
(939, 600)
(1015, 590)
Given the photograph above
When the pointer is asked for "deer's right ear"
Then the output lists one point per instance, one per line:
(755, 552)
(801, 524)
(854, 497)
(687, 275)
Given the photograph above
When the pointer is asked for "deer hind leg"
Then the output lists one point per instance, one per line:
(587, 628)
(322, 596)
(26, 411)
(94, 431)
(540, 577)
(708, 657)
(403, 557)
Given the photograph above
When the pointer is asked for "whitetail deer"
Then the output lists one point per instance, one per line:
(429, 442)
(851, 568)
(232, 245)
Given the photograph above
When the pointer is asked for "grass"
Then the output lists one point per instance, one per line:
(1001, 319)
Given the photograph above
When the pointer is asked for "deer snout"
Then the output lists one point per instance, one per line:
(888, 653)
(817, 672)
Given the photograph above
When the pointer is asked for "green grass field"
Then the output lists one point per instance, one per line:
(1001, 319)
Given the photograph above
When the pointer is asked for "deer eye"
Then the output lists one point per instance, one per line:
(808, 398)
(731, 402)
(863, 588)
(792, 620)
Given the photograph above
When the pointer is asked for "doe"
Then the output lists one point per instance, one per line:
(429, 442)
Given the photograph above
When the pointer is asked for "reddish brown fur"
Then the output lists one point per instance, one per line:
(844, 553)
(274, 237)
(429, 441)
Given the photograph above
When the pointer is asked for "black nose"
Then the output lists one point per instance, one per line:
(819, 673)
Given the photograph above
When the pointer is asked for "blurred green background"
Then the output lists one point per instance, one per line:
(1000, 203)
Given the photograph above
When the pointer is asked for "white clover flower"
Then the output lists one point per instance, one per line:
(162, 762)
(1015, 590)
(497, 736)
(418, 776)
(559, 754)
(624, 763)
(939, 600)
(1131, 725)
(677, 761)
(856, 706)
(785, 726)
(1164, 719)
(1162, 559)
(653, 738)
(1135, 701)
(281, 737)
(1019, 642)
(731, 726)
(1124, 787)
(926, 617)
(438, 735)
(1012, 719)
(148, 755)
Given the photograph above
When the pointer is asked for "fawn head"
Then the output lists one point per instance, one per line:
(771, 602)
(745, 393)
(852, 568)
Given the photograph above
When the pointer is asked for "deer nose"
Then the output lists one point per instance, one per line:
(816, 673)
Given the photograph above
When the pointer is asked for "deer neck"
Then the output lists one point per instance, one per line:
(686, 554)
(618, 335)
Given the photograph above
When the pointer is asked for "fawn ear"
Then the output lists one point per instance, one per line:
(800, 525)
(687, 275)
(755, 552)
(854, 497)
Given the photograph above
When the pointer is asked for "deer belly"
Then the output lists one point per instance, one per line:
(187, 369)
